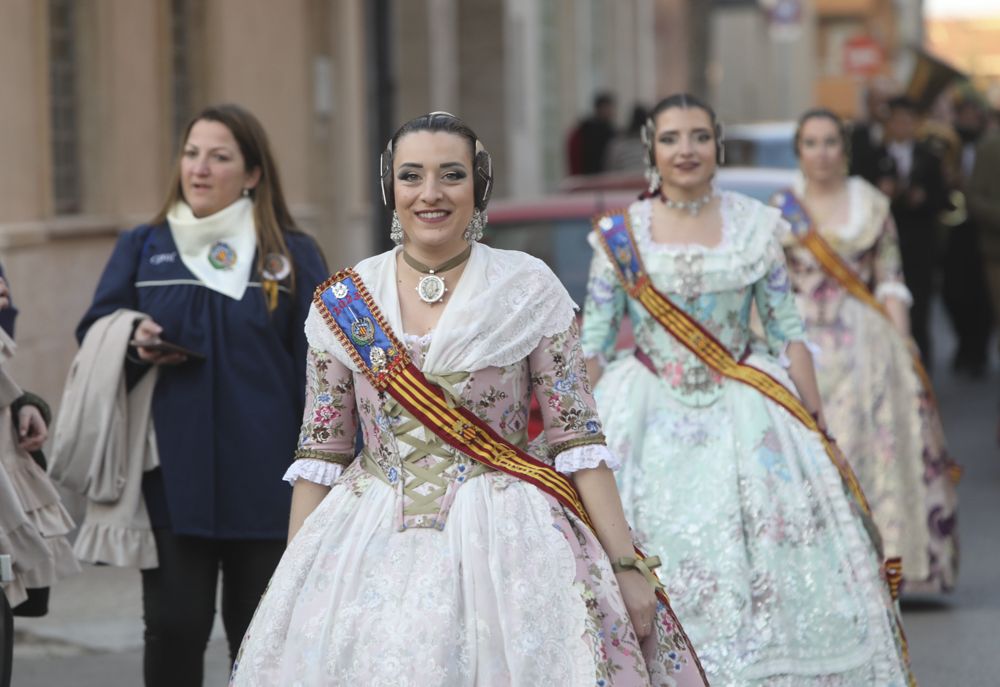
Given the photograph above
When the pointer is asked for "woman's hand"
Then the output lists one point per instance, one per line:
(147, 330)
(31, 429)
(640, 600)
(4, 294)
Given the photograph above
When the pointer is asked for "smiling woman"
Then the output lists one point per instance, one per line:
(450, 551)
(726, 465)
(212, 293)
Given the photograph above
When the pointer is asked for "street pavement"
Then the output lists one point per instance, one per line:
(93, 634)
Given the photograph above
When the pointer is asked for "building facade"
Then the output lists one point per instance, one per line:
(98, 91)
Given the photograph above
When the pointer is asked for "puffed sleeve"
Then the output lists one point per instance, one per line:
(572, 427)
(603, 309)
(329, 424)
(116, 288)
(775, 302)
(888, 266)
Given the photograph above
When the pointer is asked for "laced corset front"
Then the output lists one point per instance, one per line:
(426, 472)
(717, 286)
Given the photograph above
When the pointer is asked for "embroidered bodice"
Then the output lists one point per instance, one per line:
(719, 286)
(426, 472)
(868, 244)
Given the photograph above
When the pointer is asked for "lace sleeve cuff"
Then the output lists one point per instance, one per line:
(893, 289)
(586, 456)
(312, 470)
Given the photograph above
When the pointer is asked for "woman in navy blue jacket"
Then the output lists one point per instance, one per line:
(223, 272)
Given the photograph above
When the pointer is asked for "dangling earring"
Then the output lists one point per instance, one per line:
(396, 229)
(246, 193)
(654, 179)
(652, 173)
(474, 231)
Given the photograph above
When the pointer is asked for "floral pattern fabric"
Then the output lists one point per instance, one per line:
(873, 400)
(765, 562)
(503, 588)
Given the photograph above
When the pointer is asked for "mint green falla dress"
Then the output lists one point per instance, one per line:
(766, 561)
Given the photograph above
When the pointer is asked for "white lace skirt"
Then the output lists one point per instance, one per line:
(493, 599)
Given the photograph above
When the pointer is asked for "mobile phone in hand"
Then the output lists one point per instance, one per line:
(166, 347)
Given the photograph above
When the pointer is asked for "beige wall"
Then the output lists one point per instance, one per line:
(276, 58)
(124, 108)
(520, 71)
(756, 76)
(25, 184)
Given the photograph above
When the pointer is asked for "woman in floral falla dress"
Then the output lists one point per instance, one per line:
(419, 563)
(878, 399)
(725, 471)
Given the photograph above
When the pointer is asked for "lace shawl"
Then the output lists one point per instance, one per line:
(504, 304)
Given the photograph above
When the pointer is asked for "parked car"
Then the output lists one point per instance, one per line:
(762, 144)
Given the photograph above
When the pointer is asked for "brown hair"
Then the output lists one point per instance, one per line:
(823, 113)
(270, 211)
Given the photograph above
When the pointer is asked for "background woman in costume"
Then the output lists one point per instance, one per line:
(413, 559)
(223, 272)
(884, 419)
(767, 564)
(33, 522)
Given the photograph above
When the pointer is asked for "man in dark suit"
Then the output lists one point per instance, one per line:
(982, 194)
(869, 157)
(964, 287)
(919, 196)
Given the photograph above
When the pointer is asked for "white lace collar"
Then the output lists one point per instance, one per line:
(642, 221)
(867, 209)
(231, 231)
(749, 245)
(503, 306)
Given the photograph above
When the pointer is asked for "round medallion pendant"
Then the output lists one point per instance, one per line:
(222, 256)
(431, 289)
(276, 267)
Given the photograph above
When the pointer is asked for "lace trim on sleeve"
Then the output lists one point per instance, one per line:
(813, 348)
(312, 470)
(586, 456)
(893, 289)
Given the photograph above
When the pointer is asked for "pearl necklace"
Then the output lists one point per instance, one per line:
(692, 207)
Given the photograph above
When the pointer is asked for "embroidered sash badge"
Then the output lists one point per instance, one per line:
(222, 256)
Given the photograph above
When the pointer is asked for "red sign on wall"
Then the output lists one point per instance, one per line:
(863, 56)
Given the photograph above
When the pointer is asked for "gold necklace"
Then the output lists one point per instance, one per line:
(432, 288)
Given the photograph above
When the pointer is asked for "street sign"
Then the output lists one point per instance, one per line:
(863, 56)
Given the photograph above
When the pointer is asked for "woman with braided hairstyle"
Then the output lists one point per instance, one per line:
(726, 469)
(450, 552)
(844, 261)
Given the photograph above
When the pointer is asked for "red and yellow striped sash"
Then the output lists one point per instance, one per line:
(343, 301)
(616, 238)
(615, 233)
(804, 229)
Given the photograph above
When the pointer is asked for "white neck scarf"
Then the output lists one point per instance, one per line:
(504, 304)
(196, 236)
